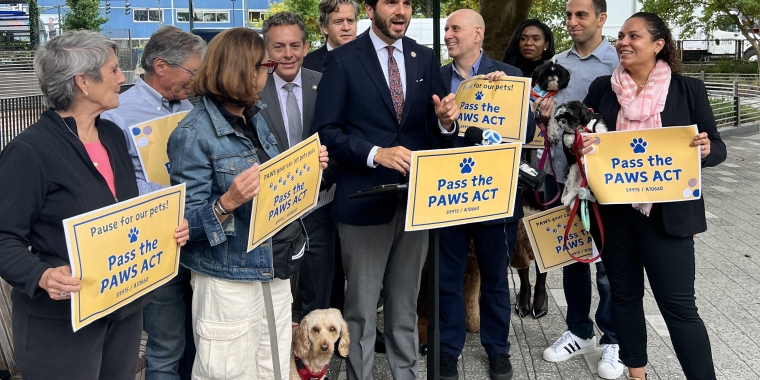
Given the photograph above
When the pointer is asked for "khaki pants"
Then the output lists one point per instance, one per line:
(230, 329)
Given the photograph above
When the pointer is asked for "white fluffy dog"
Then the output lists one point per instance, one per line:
(568, 118)
(314, 341)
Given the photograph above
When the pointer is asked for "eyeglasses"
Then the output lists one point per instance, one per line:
(270, 65)
(192, 74)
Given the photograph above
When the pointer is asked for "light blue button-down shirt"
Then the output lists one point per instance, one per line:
(583, 70)
(138, 105)
(457, 79)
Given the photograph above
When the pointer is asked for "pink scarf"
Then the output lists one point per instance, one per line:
(642, 110)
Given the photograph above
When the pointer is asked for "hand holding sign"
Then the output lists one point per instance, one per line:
(323, 157)
(446, 110)
(244, 187)
(58, 283)
(703, 142)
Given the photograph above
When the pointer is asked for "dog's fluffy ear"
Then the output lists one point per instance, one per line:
(344, 339)
(553, 130)
(301, 342)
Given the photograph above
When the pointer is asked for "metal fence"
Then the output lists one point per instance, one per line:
(17, 78)
(734, 103)
(726, 77)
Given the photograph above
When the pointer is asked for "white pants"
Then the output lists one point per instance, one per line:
(230, 329)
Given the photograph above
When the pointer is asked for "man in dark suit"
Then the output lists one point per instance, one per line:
(290, 94)
(382, 97)
(337, 20)
(494, 239)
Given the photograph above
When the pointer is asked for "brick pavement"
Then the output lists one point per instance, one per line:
(727, 284)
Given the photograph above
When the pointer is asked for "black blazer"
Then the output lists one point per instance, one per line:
(356, 113)
(686, 104)
(46, 176)
(487, 65)
(316, 59)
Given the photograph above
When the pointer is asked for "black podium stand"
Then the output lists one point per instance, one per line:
(434, 334)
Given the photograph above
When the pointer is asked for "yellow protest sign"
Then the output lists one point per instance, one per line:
(448, 187)
(289, 188)
(123, 251)
(546, 231)
(538, 140)
(151, 138)
(645, 166)
(501, 105)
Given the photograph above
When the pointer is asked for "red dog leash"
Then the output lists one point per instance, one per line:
(577, 144)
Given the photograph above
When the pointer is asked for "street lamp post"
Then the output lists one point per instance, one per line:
(233, 13)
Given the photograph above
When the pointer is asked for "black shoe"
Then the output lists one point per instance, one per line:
(423, 349)
(499, 367)
(449, 367)
(379, 342)
(521, 310)
(540, 311)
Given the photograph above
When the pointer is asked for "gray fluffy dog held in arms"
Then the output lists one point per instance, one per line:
(567, 119)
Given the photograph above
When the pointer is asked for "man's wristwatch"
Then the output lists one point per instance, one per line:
(219, 209)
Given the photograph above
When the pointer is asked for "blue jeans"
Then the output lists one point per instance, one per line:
(493, 247)
(576, 281)
(164, 321)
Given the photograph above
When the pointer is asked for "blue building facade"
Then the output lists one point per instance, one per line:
(146, 16)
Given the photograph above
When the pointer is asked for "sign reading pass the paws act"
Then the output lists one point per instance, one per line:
(546, 232)
(123, 251)
(448, 187)
(501, 105)
(645, 166)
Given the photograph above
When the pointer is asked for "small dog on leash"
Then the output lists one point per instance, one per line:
(314, 341)
(548, 78)
(568, 118)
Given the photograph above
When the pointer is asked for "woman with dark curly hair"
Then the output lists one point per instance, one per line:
(647, 91)
(531, 45)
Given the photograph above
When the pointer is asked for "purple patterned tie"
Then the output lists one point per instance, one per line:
(397, 91)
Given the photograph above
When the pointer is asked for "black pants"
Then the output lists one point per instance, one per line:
(47, 349)
(634, 243)
(315, 277)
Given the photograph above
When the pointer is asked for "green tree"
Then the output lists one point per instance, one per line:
(83, 14)
(742, 13)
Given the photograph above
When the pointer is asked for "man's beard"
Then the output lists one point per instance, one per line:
(384, 25)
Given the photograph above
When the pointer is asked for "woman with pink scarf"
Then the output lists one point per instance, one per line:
(646, 91)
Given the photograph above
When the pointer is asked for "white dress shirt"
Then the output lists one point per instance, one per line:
(282, 96)
(381, 48)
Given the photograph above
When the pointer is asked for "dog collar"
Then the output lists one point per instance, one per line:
(305, 373)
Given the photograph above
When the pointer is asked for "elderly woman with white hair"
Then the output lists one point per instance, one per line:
(69, 162)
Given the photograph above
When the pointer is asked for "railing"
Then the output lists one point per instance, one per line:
(17, 77)
(734, 103)
(16, 114)
(725, 77)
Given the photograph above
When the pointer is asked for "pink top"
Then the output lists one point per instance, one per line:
(99, 156)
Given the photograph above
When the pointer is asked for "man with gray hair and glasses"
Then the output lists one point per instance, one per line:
(170, 60)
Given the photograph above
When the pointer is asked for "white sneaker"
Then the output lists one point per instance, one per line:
(567, 346)
(610, 366)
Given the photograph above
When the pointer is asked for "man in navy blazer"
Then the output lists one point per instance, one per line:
(494, 240)
(381, 97)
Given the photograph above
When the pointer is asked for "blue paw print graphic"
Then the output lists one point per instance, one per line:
(559, 225)
(467, 165)
(308, 169)
(133, 234)
(275, 188)
(284, 183)
(639, 146)
(555, 231)
(479, 95)
(548, 229)
(299, 172)
(271, 185)
(575, 224)
(280, 180)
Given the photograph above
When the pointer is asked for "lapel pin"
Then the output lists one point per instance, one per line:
(414, 54)
(314, 87)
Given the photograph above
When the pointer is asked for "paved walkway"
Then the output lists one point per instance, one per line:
(728, 293)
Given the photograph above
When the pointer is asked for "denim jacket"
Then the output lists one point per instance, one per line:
(207, 153)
